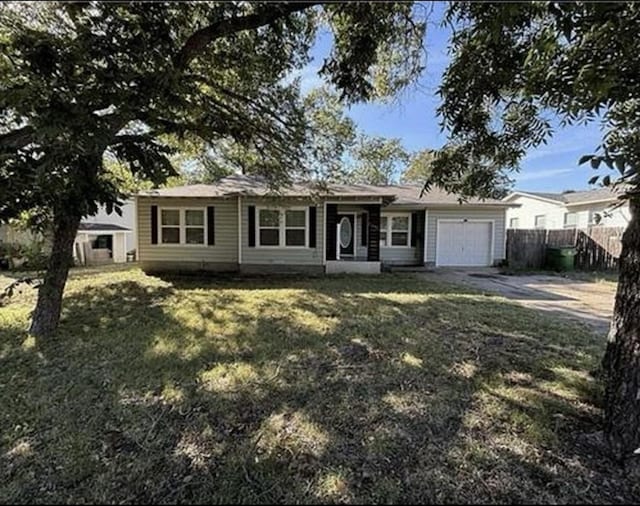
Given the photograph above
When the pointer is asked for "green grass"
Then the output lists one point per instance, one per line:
(345, 389)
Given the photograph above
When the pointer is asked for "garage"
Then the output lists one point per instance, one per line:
(464, 243)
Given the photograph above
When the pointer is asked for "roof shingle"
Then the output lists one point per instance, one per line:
(579, 197)
(251, 186)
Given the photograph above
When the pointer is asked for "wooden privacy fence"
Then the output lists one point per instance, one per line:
(597, 248)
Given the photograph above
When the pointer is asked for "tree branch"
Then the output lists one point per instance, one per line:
(17, 138)
(241, 98)
(202, 38)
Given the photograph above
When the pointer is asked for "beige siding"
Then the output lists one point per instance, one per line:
(400, 255)
(225, 249)
(281, 255)
(470, 213)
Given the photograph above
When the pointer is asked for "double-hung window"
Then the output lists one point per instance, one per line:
(182, 226)
(269, 227)
(295, 227)
(395, 230)
(282, 227)
(540, 221)
(170, 226)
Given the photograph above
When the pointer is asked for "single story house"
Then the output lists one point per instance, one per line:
(571, 209)
(237, 224)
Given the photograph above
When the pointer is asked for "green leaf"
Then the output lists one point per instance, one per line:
(594, 179)
(595, 162)
(584, 159)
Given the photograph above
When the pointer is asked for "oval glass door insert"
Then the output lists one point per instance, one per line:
(345, 232)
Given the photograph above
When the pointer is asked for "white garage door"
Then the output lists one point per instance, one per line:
(464, 243)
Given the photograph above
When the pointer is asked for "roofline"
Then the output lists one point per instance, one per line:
(104, 231)
(378, 196)
(599, 201)
(452, 205)
(533, 196)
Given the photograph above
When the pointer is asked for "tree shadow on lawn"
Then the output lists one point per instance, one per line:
(384, 389)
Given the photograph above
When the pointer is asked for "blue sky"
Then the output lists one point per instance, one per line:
(413, 119)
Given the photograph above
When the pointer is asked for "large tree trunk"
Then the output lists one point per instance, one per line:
(622, 359)
(47, 313)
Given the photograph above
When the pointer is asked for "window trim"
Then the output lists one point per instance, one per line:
(517, 220)
(282, 227)
(182, 226)
(389, 230)
(535, 221)
(570, 225)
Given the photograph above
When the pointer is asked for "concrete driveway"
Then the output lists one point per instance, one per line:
(585, 301)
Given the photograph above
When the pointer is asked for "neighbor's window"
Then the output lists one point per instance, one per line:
(170, 223)
(400, 231)
(540, 221)
(295, 227)
(383, 230)
(269, 225)
(570, 220)
(514, 222)
(182, 226)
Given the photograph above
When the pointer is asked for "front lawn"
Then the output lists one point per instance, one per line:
(347, 389)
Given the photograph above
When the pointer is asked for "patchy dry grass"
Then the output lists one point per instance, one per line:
(352, 389)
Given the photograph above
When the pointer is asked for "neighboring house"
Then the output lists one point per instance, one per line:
(238, 225)
(573, 209)
(101, 238)
(106, 238)
(127, 220)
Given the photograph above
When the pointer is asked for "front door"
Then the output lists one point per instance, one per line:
(346, 238)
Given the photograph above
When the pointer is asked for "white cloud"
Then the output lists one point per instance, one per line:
(533, 175)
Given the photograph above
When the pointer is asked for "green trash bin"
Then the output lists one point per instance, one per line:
(561, 258)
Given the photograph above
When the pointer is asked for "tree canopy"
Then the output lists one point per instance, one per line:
(79, 81)
(377, 160)
(419, 167)
(514, 65)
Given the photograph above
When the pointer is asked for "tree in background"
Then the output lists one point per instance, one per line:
(85, 82)
(419, 169)
(377, 160)
(511, 65)
(329, 137)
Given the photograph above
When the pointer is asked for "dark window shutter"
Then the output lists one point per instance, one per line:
(252, 226)
(154, 224)
(365, 228)
(373, 248)
(211, 225)
(414, 229)
(332, 224)
(312, 226)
